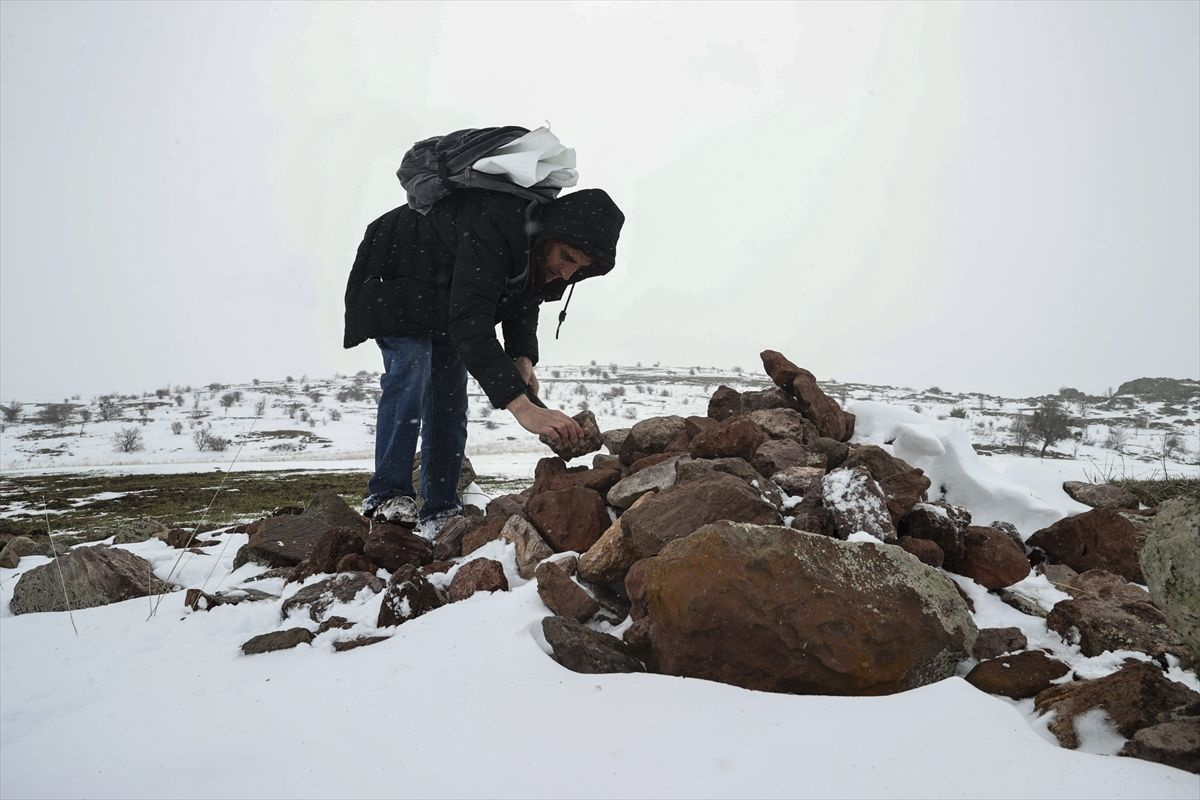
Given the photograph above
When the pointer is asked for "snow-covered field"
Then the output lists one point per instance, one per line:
(466, 702)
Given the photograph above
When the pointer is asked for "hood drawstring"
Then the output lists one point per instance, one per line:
(562, 315)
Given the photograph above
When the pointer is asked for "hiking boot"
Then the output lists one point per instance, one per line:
(399, 510)
(370, 505)
(431, 528)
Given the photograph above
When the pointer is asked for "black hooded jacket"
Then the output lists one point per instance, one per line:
(465, 267)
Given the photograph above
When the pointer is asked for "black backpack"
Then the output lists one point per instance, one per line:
(433, 168)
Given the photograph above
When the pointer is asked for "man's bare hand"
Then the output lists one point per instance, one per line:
(525, 367)
(554, 425)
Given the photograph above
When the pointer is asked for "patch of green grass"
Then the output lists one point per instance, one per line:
(1156, 492)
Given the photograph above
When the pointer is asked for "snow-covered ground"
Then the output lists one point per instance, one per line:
(466, 702)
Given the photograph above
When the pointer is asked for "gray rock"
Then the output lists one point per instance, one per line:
(614, 439)
(737, 467)
(653, 435)
(341, 588)
(1171, 564)
(784, 423)
(277, 640)
(857, 503)
(581, 649)
(995, 642)
(133, 531)
(651, 479)
(94, 576)
(1100, 495)
(16, 549)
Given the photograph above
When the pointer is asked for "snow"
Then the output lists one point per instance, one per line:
(465, 701)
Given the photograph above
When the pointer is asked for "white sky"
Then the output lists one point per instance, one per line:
(991, 197)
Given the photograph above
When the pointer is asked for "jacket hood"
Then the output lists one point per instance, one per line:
(588, 220)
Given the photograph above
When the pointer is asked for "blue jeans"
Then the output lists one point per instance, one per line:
(424, 386)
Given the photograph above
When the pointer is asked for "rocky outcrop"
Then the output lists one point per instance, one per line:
(778, 610)
(94, 576)
(1170, 561)
(681, 509)
(1100, 539)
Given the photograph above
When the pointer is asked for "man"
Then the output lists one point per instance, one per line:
(430, 289)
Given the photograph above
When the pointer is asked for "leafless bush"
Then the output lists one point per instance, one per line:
(12, 411)
(58, 413)
(314, 395)
(108, 408)
(334, 414)
(176, 427)
(1117, 438)
(179, 400)
(128, 440)
(1022, 431)
(260, 406)
(205, 439)
(293, 407)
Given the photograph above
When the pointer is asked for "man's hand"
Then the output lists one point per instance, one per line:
(547, 422)
(525, 367)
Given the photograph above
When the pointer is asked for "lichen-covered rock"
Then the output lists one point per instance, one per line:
(778, 610)
(857, 504)
(1170, 561)
(94, 576)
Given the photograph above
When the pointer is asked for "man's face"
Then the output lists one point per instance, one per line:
(560, 261)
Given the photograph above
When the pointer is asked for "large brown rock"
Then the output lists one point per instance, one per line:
(995, 642)
(777, 455)
(781, 371)
(1106, 613)
(487, 530)
(478, 575)
(802, 482)
(1018, 676)
(1133, 696)
(1104, 495)
(448, 543)
(927, 552)
(569, 519)
(688, 469)
(334, 545)
(724, 403)
(737, 437)
(391, 546)
(1099, 539)
(286, 540)
(94, 576)
(857, 504)
(784, 423)
(777, 610)
(820, 409)
(654, 434)
(681, 509)
(277, 640)
(408, 596)
(17, 547)
(343, 587)
(563, 596)
(767, 399)
(903, 485)
(610, 558)
(990, 558)
(1174, 741)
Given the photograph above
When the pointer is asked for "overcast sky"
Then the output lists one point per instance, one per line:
(987, 197)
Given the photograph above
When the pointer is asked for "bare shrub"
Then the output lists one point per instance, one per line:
(176, 427)
(1022, 431)
(128, 440)
(260, 406)
(1117, 438)
(12, 411)
(58, 413)
(958, 413)
(334, 414)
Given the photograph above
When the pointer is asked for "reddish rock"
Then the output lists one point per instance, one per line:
(679, 510)
(569, 519)
(819, 409)
(687, 469)
(777, 610)
(995, 642)
(391, 547)
(584, 650)
(614, 440)
(1133, 696)
(926, 551)
(650, 461)
(288, 539)
(782, 371)
(1174, 742)
(343, 587)
(334, 545)
(553, 474)
(768, 399)
(508, 504)
(857, 504)
(724, 403)
(1106, 613)
(589, 443)
(941, 523)
(1019, 676)
(777, 455)
(737, 437)
(436, 567)
(355, 562)
(487, 531)
(804, 482)
(530, 547)
(653, 435)
(1103, 495)
(1099, 539)
(610, 558)
(408, 596)
(448, 543)
(479, 575)
(903, 485)
(784, 423)
(814, 519)
(562, 595)
(990, 558)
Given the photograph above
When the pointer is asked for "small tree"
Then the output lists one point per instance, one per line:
(12, 412)
(58, 413)
(85, 416)
(228, 399)
(1022, 431)
(1117, 438)
(127, 440)
(108, 408)
(1050, 423)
